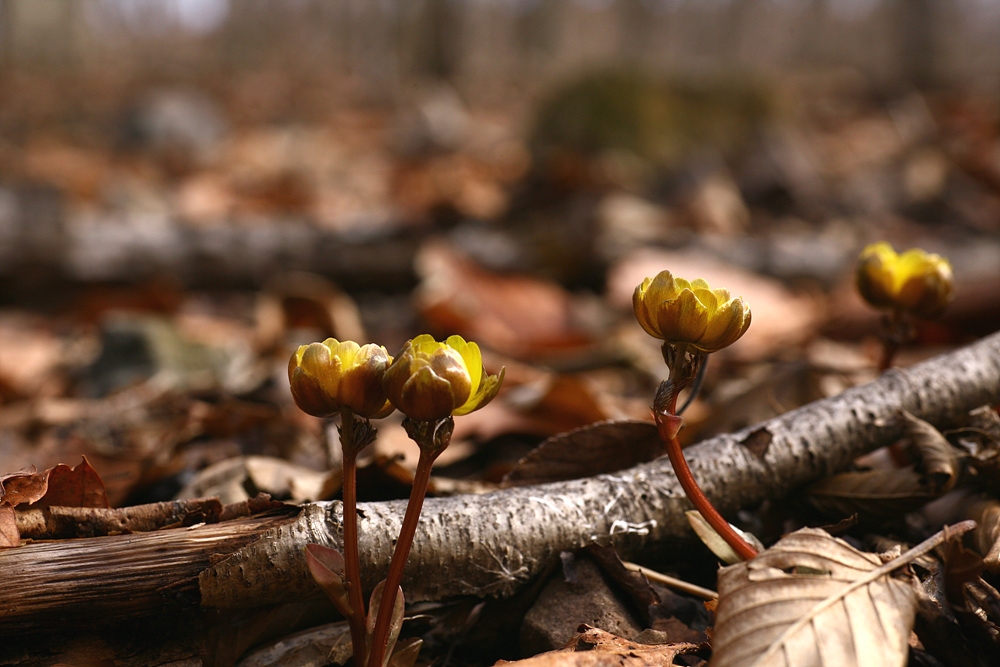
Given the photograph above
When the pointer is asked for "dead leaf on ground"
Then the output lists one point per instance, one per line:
(986, 537)
(813, 600)
(26, 486)
(887, 493)
(937, 459)
(518, 315)
(594, 647)
(599, 448)
(79, 486)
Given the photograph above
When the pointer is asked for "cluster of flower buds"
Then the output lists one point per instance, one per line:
(427, 381)
(914, 282)
(691, 313)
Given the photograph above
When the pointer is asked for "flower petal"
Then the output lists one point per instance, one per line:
(472, 357)
(486, 393)
(725, 326)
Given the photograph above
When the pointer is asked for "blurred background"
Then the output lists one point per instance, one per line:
(189, 189)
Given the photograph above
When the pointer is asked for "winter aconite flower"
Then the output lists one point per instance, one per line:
(329, 377)
(915, 281)
(431, 380)
(689, 313)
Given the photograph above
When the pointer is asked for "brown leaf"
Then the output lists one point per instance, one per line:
(23, 487)
(594, 647)
(518, 315)
(9, 535)
(79, 486)
(884, 494)
(813, 600)
(871, 494)
(937, 458)
(592, 450)
(986, 536)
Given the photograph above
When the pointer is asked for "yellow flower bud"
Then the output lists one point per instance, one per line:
(430, 380)
(689, 313)
(331, 376)
(916, 282)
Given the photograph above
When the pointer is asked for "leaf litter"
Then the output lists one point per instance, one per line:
(538, 265)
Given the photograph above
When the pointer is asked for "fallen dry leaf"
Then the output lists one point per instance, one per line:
(594, 647)
(599, 448)
(23, 487)
(883, 494)
(812, 600)
(79, 486)
(986, 537)
(517, 315)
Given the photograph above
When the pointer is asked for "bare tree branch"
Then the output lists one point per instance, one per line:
(489, 544)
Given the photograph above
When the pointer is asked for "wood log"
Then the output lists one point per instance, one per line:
(489, 544)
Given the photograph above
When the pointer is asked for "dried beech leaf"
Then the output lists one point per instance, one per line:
(886, 494)
(937, 458)
(986, 536)
(813, 600)
(594, 647)
(871, 494)
(599, 448)
(9, 534)
(79, 486)
(23, 487)
(519, 315)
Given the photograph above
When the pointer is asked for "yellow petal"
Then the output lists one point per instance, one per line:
(486, 393)
(472, 357)
(688, 318)
(726, 326)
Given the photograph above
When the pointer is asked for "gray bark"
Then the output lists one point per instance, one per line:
(488, 544)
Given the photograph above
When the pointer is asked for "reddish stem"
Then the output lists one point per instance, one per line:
(668, 434)
(352, 559)
(409, 528)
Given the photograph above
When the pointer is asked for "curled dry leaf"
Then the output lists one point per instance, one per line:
(885, 494)
(938, 460)
(986, 537)
(813, 600)
(981, 439)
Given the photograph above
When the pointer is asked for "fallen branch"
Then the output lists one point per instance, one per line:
(489, 544)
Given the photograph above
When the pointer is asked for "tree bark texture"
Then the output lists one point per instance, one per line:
(491, 544)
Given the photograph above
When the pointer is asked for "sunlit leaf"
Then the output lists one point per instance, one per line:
(812, 600)
(715, 542)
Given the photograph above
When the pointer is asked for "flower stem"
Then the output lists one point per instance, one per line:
(668, 434)
(352, 560)
(400, 554)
